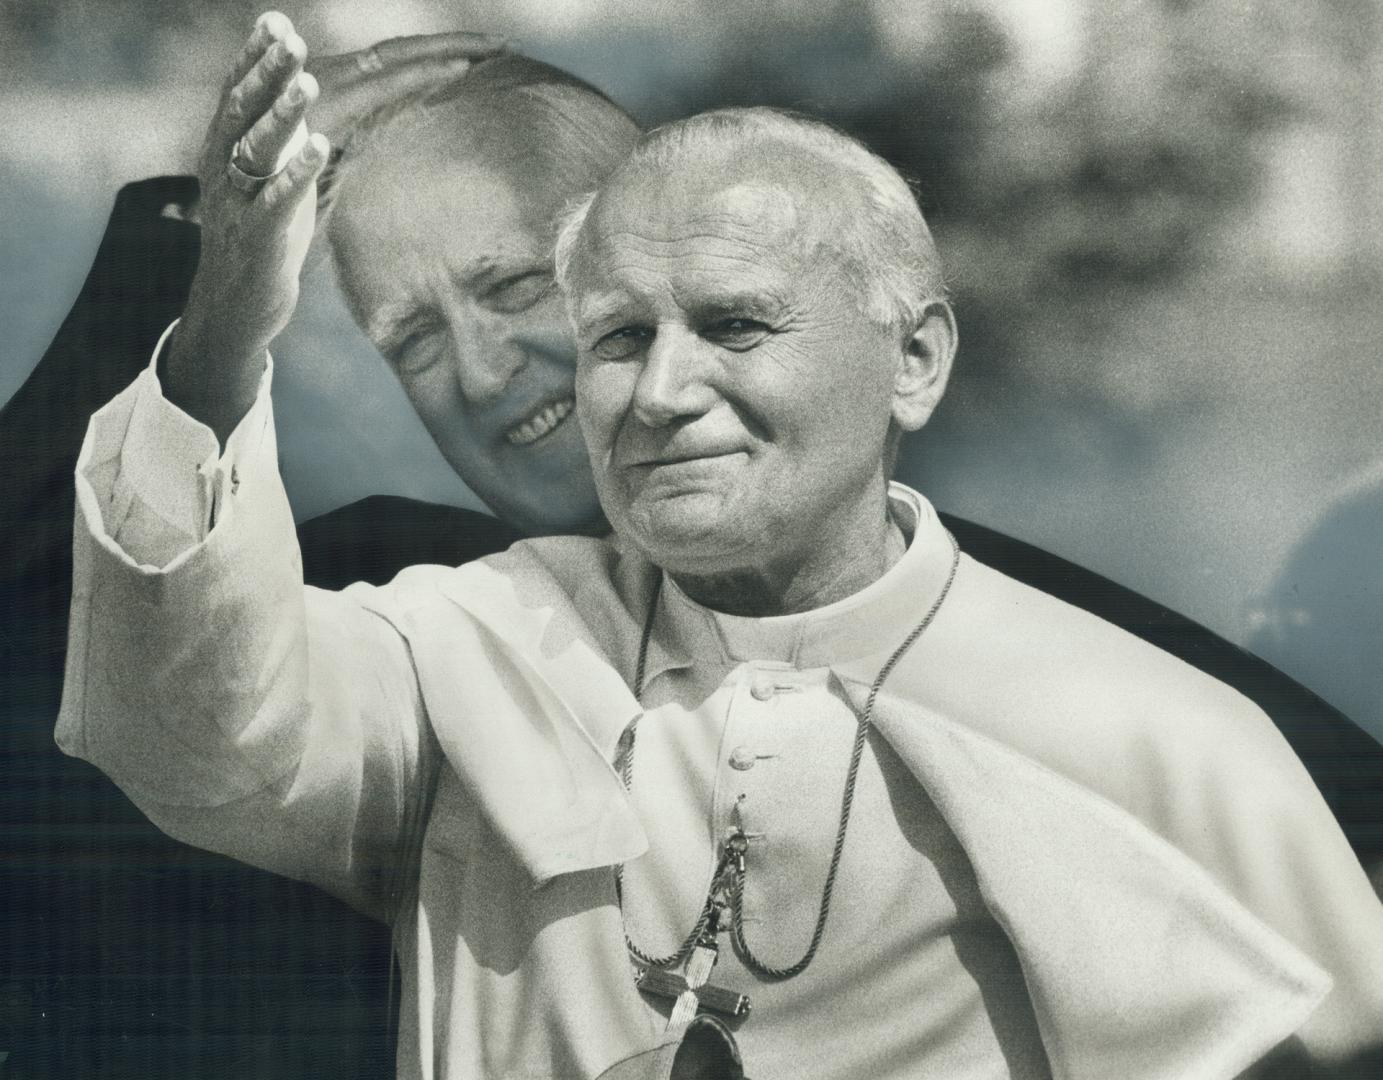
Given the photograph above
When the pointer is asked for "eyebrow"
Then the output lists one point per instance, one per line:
(484, 270)
(766, 301)
(599, 308)
(391, 322)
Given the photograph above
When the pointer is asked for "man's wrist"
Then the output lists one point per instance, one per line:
(207, 375)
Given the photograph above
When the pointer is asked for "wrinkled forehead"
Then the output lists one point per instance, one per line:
(695, 223)
(663, 206)
(770, 194)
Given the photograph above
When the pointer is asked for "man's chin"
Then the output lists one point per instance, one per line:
(685, 533)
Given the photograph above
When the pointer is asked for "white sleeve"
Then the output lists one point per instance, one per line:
(241, 711)
(155, 474)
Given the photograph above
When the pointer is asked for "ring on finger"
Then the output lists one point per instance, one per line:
(369, 61)
(243, 181)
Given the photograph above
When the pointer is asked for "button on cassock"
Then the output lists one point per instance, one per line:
(742, 758)
(763, 688)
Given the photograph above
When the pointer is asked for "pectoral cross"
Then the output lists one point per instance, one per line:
(672, 985)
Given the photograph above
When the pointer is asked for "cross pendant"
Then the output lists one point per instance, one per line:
(671, 985)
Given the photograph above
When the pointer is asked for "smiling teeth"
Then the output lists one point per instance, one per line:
(540, 423)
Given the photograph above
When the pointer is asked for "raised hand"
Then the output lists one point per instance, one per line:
(258, 170)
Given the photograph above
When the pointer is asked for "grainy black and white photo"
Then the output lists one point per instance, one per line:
(622, 540)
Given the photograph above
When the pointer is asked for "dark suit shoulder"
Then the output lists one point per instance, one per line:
(137, 285)
(373, 539)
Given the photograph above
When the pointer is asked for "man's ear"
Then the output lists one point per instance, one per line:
(924, 366)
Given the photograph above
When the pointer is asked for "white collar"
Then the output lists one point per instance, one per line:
(868, 622)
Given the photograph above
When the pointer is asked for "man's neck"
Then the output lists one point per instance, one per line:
(849, 555)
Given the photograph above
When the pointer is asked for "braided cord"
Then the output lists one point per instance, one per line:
(736, 868)
(626, 771)
(847, 801)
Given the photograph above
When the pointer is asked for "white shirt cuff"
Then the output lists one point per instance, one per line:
(164, 477)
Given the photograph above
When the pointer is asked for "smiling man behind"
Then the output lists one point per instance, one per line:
(926, 820)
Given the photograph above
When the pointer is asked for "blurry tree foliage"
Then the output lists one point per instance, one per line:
(1108, 177)
(1115, 177)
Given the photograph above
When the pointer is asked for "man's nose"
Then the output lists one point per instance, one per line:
(673, 381)
(487, 357)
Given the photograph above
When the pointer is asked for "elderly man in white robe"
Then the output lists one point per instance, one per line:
(775, 752)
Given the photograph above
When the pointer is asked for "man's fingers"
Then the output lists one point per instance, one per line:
(439, 48)
(252, 96)
(375, 74)
(283, 193)
(267, 143)
(270, 27)
(391, 84)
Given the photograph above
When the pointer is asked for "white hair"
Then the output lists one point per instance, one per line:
(887, 248)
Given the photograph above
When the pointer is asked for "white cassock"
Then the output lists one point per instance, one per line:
(1071, 855)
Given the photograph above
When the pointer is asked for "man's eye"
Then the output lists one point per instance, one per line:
(736, 333)
(517, 293)
(622, 343)
(418, 352)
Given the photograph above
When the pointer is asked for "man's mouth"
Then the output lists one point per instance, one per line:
(543, 422)
(672, 461)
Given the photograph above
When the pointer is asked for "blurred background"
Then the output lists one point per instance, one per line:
(1163, 221)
